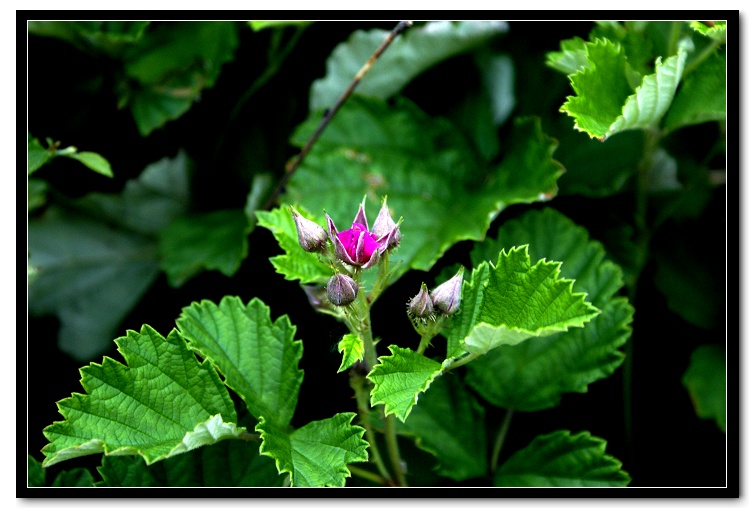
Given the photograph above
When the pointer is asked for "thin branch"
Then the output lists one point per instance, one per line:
(499, 440)
(294, 164)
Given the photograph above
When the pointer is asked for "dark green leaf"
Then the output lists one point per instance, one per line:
(705, 379)
(702, 96)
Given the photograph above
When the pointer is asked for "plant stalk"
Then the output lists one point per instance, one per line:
(500, 438)
(394, 453)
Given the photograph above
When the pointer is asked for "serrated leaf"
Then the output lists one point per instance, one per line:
(705, 379)
(716, 32)
(522, 301)
(449, 423)
(533, 375)
(296, 264)
(572, 57)
(352, 347)
(702, 95)
(415, 51)
(92, 285)
(399, 379)
(212, 241)
(316, 454)
(161, 403)
(225, 464)
(561, 459)
(431, 176)
(76, 477)
(606, 102)
(258, 358)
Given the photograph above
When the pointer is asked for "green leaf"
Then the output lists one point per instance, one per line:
(36, 473)
(705, 379)
(258, 25)
(170, 66)
(162, 403)
(399, 379)
(296, 264)
(93, 285)
(108, 37)
(561, 459)
(225, 464)
(571, 59)
(258, 358)
(717, 32)
(606, 101)
(533, 375)
(449, 423)
(416, 50)
(352, 348)
(212, 241)
(37, 155)
(521, 301)
(702, 96)
(36, 191)
(76, 477)
(316, 454)
(94, 161)
(428, 171)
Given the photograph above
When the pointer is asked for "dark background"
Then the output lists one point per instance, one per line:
(669, 445)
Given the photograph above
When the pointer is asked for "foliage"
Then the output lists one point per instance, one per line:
(573, 180)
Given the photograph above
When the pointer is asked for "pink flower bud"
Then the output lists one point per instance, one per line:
(312, 237)
(421, 306)
(447, 297)
(384, 225)
(341, 289)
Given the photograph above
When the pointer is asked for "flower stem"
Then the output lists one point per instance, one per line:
(461, 361)
(369, 475)
(391, 440)
(500, 438)
(357, 382)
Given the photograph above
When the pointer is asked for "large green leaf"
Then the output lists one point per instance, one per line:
(399, 379)
(94, 260)
(296, 263)
(705, 379)
(449, 423)
(561, 459)
(170, 66)
(258, 358)
(108, 37)
(225, 464)
(316, 454)
(608, 102)
(702, 95)
(428, 171)
(533, 375)
(415, 51)
(514, 301)
(162, 403)
(211, 241)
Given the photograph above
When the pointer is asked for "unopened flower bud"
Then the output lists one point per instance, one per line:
(384, 225)
(341, 289)
(421, 306)
(312, 237)
(447, 297)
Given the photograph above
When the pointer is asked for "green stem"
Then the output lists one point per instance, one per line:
(369, 475)
(461, 361)
(707, 51)
(499, 440)
(423, 343)
(391, 440)
(357, 382)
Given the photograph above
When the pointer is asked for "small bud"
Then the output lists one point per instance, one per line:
(342, 290)
(421, 306)
(384, 225)
(447, 296)
(312, 237)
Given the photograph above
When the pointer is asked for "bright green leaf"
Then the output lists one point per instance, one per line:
(352, 348)
(416, 50)
(225, 464)
(296, 263)
(428, 171)
(399, 379)
(258, 358)
(258, 25)
(571, 58)
(533, 375)
(94, 161)
(606, 102)
(716, 32)
(37, 155)
(561, 459)
(705, 379)
(449, 423)
(316, 454)
(702, 96)
(212, 241)
(162, 403)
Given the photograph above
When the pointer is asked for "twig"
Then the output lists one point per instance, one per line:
(294, 164)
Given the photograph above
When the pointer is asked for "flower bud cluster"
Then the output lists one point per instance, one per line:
(442, 301)
(358, 247)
